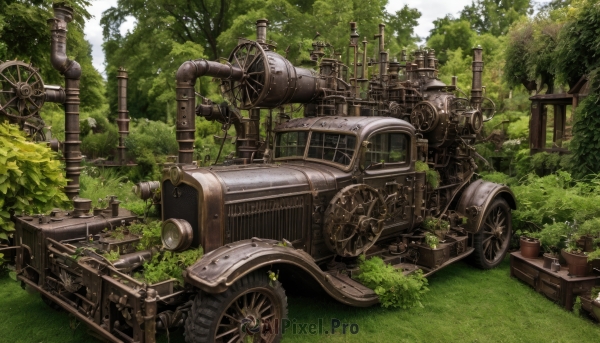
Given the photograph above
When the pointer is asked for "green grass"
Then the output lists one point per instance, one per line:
(464, 304)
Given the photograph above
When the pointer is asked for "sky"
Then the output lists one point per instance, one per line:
(430, 10)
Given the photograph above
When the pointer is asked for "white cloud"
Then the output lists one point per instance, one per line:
(93, 31)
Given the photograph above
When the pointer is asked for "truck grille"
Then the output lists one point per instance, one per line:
(181, 202)
(270, 218)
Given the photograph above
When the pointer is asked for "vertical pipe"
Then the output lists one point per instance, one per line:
(72, 73)
(382, 53)
(150, 316)
(123, 120)
(261, 30)
(364, 66)
(476, 87)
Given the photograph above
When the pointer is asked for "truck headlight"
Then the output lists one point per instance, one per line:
(176, 234)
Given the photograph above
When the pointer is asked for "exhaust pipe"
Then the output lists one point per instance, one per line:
(123, 120)
(72, 72)
(476, 86)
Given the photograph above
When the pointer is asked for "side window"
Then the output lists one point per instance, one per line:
(387, 148)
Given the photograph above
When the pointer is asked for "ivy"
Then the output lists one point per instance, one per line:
(391, 285)
(431, 175)
(31, 178)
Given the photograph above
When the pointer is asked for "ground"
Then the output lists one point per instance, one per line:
(464, 304)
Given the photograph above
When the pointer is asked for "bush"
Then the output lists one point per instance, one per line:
(99, 137)
(169, 265)
(31, 178)
(391, 285)
(154, 137)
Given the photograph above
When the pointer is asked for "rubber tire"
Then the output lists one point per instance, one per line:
(201, 323)
(477, 257)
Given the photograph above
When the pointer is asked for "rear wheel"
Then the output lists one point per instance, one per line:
(251, 310)
(493, 239)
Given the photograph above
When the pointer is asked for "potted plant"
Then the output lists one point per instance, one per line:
(552, 238)
(596, 305)
(530, 247)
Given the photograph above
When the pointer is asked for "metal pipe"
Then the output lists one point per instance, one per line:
(72, 72)
(123, 119)
(476, 87)
(354, 44)
(382, 53)
(186, 77)
(261, 30)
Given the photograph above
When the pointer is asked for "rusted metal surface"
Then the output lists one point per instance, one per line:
(123, 119)
(72, 73)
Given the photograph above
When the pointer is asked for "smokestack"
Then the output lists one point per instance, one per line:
(72, 72)
(261, 30)
(123, 120)
(186, 77)
(476, 88)
(382, 53)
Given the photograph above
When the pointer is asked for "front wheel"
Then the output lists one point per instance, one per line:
(492, 240)
(251, 310)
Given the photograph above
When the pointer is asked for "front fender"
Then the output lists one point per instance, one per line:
(221, 268)
(475, 199)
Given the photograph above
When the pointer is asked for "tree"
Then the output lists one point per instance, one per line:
(167, 33)
(531, 52)
(450, 36)
(576, 56)
(494, 16)
(24, 35)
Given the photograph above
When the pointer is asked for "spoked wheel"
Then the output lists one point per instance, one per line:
(488, 109)
(22, 92)
(424, 117)
(250, 90)
(252, 310)
(493, 239)
(354, 220)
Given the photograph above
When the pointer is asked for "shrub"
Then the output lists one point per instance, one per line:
(391, 285)
(155, 137)
(31, 178)
(169, 265)
(102, 137)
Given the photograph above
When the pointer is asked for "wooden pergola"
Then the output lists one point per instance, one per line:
(538, 123)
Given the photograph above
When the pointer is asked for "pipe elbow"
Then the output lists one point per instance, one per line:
(73, 70)
(189, 71)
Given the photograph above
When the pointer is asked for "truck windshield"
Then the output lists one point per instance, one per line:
(334, 147)
(291, 144)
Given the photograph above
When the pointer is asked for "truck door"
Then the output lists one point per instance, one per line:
(389, 168)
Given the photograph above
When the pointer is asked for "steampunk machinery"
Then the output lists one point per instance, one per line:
(305, 199)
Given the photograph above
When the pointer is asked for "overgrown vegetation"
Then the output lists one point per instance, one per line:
(167, 265)
(431, 175)
(391, 285)
(31, 179)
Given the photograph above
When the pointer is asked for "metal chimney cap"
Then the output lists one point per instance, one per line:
(63, 12)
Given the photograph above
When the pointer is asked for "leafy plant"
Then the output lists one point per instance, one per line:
(391, 285)
(150, 234)
(552, 236)
(31, 178)
(169, 265)
(431, 175)
(431, 240)
(112, 255)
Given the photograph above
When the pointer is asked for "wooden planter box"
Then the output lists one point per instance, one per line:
(433, 258)
(458, 245)
(557, 286)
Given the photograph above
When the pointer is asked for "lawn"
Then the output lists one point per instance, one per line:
(464, 304)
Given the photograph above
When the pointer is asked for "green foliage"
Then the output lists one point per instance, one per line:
(453, 35)
(495, 16)
(96, 184)
(393, 288)
(576, 50)
(1, 259)
(31, 178)
(102, 137)
(530, 53)
(431, 175)
(169, 265)
(431, 240)
(150, 233)
(585, 146)
(112, 256)
(552, 236)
